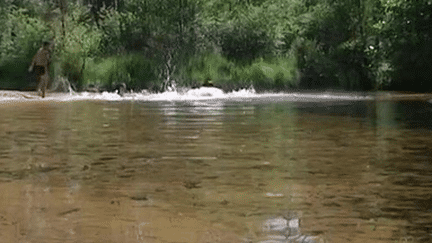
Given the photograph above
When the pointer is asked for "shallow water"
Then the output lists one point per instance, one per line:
(203, 166)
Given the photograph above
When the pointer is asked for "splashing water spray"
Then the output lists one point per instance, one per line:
(62, 84)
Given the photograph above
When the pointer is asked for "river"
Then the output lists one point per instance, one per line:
(204, 166)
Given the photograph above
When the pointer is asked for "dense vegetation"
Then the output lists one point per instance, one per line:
(270, 44)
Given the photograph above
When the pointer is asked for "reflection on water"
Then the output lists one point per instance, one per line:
(255, 169)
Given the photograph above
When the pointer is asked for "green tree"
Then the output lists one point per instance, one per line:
(407, 29)
(20, 37)
(331, 44)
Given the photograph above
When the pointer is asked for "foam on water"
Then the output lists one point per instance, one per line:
(203, 93)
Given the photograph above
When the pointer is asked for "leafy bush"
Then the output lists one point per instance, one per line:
(243, 44)
(262, 74)
(79, 41)
(20, 38)
(123, 31)
(134, 70)
(277, 74)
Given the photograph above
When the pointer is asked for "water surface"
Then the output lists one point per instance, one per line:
(214, 167)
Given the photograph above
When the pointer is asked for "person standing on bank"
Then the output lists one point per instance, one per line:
(40, 64)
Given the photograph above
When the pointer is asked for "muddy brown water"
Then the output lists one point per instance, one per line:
(218, 170)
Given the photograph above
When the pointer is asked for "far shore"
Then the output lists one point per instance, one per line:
(16, 95)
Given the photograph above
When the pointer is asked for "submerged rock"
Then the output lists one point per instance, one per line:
(285, 230)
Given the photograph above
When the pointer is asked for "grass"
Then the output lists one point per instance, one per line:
(141, 73)
(14, 75)
(262, 74)
(133, 69)
(138, 72)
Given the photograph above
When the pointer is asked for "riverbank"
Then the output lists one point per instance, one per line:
(211, 93)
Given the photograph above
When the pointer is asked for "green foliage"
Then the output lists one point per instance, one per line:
(244, 43)
(76, 40)
(405, 43)
(331, 46)
(270, 44)
(20, 38)
(278, 74)
(134, 70)
(272, 74)
(21, 35)
(112, 30)
(245, 36)
(124, 31)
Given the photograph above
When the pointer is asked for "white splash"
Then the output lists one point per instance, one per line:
(206, 92)
(203, 93)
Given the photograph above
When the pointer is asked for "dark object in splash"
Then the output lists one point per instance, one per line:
(120, 88)
(207, 83)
